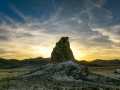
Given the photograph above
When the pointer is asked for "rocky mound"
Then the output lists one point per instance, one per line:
(68, 70)
(62, 51)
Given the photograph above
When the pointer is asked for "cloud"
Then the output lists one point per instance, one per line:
(57, 25)
(84, 17)
(112, 32)
(3, 38)
(101, 39)
(98, 15)
(54, 4)
(3, 31)
(24, 35)
(2, 51)
(19, 13)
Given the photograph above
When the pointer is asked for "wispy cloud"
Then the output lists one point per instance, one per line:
(19, 13)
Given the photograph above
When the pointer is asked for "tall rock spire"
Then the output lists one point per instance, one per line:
(62, 51)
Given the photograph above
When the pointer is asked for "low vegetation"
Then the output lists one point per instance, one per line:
(103, 69)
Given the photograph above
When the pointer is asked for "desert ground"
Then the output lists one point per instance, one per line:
(6, 73)
(40, 83)
(105, 71)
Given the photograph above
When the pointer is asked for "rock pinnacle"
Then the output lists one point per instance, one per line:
(62, 51)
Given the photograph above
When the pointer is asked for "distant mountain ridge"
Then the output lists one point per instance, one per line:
(36, 61)
(14, 63)
(99, 62)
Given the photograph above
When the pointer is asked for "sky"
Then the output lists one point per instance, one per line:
(31, 28)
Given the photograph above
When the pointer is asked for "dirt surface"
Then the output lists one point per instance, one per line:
(5, 73)
(108, 74)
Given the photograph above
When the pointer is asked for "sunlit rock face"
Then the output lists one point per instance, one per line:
(62, 51)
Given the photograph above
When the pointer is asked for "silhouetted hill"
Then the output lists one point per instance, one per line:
(14, 63)
(99, 62)
(35, 61)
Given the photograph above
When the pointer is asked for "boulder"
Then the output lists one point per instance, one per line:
(117, 71)
(62, 51)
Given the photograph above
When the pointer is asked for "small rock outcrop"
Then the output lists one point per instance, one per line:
(117, 71)
(62, 51)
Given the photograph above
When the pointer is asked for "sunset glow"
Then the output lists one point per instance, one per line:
(43, 51)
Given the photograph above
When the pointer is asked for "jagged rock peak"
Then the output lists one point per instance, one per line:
(62, 51)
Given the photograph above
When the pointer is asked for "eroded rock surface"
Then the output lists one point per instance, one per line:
(62, 51)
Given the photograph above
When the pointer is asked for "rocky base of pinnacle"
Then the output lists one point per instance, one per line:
(68, 70)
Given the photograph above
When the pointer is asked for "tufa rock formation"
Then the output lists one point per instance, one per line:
(62, 51)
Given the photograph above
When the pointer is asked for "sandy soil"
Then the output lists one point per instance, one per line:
(108, 74)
